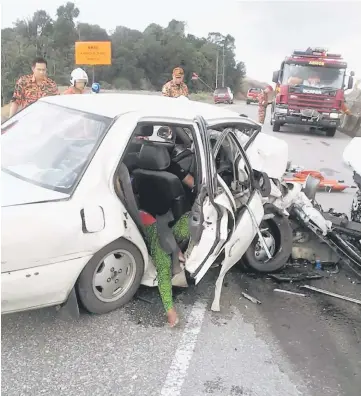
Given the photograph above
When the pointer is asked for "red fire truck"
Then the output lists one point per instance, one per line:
(310, 90)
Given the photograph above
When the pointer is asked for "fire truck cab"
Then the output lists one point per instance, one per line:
(310, 90)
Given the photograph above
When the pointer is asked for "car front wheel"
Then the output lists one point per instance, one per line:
(111, 277)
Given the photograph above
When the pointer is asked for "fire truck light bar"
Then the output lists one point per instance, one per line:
(312, 52)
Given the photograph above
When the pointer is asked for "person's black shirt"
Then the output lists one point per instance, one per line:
(177, 170)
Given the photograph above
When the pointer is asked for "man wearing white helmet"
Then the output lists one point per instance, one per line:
(78, 82)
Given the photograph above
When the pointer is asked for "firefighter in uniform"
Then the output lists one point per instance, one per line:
(263, 99)
(345, 109)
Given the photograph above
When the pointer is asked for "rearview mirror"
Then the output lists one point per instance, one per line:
(165, 133)
(275, 76)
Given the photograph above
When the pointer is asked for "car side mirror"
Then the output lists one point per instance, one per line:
(93, 219)
(275, 76)
(352, 74)
(311, 187)
(350, 82)
(264, 184)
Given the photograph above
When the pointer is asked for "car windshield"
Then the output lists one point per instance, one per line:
(50, 145)
(254, 90)
(313, 76)
(221, 90)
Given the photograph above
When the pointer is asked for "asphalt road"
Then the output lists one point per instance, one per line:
(287, 346)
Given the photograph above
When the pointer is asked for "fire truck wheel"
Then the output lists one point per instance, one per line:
(276, 126)
(330, 132)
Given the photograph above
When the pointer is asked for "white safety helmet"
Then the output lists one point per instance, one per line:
(78, 74)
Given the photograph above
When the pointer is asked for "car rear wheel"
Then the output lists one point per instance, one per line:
(111, 277)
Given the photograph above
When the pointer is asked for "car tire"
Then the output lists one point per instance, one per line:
(276, 126)
(281, 232)
(124, 255)
(248, 102)
(330, 132)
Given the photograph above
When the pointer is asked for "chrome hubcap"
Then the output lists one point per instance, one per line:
(114, 275)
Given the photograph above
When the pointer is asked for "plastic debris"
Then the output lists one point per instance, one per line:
(250, 298)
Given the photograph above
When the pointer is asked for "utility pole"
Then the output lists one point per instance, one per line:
(223, 66)
(217, 68)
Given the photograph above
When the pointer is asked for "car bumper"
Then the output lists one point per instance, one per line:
(301, 120)
(253, 100)
(39, 287)
(222, 100)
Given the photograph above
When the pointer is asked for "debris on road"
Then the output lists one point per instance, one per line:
(295, 277)
(331, 294)
(250, 298)
(289, 292)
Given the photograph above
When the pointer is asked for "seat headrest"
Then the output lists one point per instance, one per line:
(146, 130)
(153, 157)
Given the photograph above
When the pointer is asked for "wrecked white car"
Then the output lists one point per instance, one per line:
(70, 218)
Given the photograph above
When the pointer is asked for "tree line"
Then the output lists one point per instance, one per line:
(140, 60)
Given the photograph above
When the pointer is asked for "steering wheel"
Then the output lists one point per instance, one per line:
(184, 157)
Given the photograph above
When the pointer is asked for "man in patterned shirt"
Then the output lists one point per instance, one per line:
(30, 88)
(176, 86)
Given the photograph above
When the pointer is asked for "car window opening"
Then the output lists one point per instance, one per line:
(149, 175)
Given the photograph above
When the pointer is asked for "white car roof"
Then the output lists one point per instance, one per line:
(114, 104)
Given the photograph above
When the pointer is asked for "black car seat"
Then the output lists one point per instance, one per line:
(161, 194)
(131, 158)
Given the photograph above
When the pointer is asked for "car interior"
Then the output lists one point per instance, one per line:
(149, 155)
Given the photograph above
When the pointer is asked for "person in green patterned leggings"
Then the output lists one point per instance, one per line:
(163, 261)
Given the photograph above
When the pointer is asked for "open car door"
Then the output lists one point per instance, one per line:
(213, 212)
(248, 215)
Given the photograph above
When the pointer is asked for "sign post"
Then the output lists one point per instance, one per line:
(93, 53)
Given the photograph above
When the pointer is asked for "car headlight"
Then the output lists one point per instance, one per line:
(334, 115)
(281, 110)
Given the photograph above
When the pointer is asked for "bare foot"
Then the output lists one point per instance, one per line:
(173, 319)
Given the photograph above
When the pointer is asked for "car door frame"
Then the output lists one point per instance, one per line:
(255, 199)
(200, 255)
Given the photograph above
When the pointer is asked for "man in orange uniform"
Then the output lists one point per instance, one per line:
(30, 88)
(263, 99)
(345, 109)
(176, 87)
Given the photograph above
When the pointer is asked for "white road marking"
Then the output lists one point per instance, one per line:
(183, 355)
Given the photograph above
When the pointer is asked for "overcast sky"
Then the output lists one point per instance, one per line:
(265, 31)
